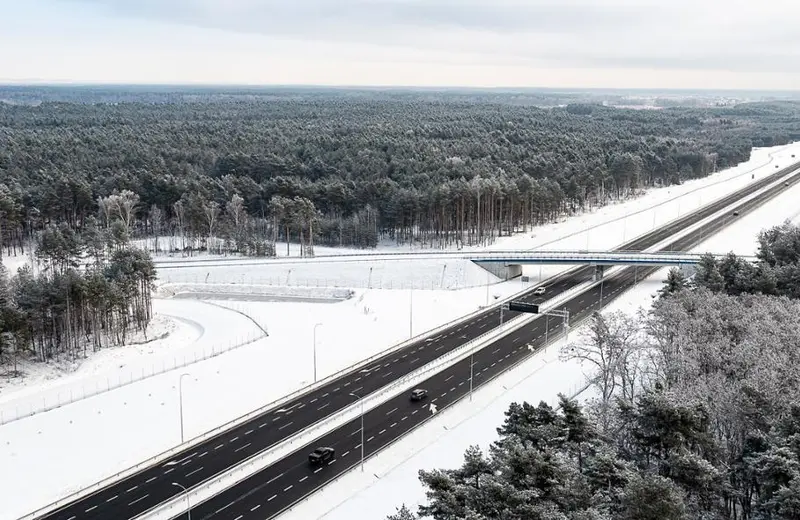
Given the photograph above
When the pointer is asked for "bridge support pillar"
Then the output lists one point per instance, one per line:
(513, 271)
(598, 273)
(501, 270)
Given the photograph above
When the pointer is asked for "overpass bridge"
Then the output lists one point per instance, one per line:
(508, 264)
(505, 264)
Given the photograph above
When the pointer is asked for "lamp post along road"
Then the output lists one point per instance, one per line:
(186, 493)
(180, 401)
(362, 429)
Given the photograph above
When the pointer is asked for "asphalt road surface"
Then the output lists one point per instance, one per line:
(279, 486)
(152, 486)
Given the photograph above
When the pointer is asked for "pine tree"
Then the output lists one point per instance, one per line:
(403, 513)
(675, 283)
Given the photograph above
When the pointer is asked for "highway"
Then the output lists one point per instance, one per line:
(150, 487)
(279, 486)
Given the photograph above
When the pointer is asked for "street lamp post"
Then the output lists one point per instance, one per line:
(470, 373)
(561, 314)
(180, 401)
(361, 400)
(315, 350)
(546, 327)
(186, 493)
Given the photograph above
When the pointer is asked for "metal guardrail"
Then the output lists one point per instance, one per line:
(583, 257)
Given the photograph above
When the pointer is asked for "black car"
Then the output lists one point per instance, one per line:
(418, 394)
(321, 454)
(735, 213)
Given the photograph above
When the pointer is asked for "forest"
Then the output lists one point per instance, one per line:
(92, 290)
(694, 414)
(237, 172)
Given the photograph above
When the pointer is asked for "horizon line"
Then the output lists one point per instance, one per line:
(91, 83)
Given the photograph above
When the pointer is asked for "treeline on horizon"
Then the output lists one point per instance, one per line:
(347, 168)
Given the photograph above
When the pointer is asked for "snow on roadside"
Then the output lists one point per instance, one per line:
(442, 441)
(181, 332)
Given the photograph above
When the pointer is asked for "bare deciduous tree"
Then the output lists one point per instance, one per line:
(611, 346)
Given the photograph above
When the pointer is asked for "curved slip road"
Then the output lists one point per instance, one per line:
(269, 492)
(150, 487)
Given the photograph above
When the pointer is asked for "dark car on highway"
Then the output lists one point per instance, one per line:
(321, 454)
(418, 394)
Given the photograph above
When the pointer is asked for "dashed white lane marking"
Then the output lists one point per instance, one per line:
(195, 471)
(393, 425)
(234, 439)
(345, 454)
(131, 489)
(302, 479)
(390, 412)
(273, 479)
(381, 432)
(248, 432)
(112, 498)
(139, 499)
(449, 378)
(170, 470)
(150, 480)
(238, 517)
(254, 508)
(202, 455)
(324, 406)
(270, 499)
(285, 425)
(317, 470)
(237, 450)
(91, 508)
(368, 440)
(218, 447)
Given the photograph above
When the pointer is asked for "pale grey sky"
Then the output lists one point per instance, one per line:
(551, 43)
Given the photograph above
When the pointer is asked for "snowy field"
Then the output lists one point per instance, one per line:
(143, 416)
(392, 478)
(181, 333)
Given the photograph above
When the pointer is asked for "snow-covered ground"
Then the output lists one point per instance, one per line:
(183, 332)
(391, 478)
(143, 416)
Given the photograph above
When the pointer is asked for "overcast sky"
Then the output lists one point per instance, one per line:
(546, 43)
